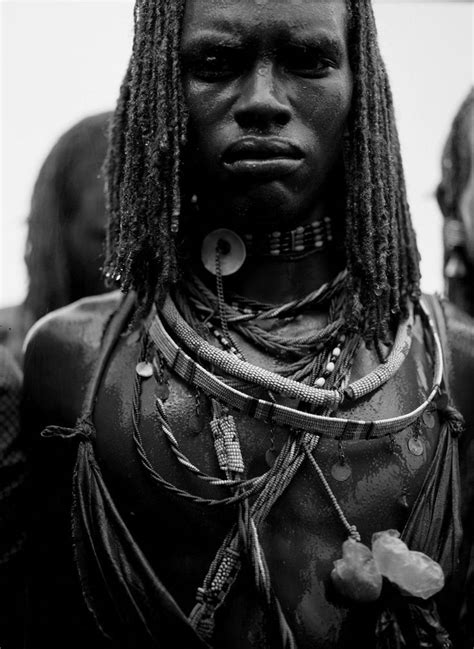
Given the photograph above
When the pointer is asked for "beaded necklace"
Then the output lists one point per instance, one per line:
(297, 243)
(320, 397)
(243, 540)
(194, 373)
(266, 488)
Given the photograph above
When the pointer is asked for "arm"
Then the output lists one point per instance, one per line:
(460, 328)
(59, 359)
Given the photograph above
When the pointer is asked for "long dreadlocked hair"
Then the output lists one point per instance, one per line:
(145, 162)
(80, 150)
(457, 160)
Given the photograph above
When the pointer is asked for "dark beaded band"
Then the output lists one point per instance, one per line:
(304, 238)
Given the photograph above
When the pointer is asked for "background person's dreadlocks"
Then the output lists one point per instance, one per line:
(457, 169)
(65, 229)
(146, 196)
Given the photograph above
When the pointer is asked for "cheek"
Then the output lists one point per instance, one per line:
(210, 109)
(204, 109)
(327, 112)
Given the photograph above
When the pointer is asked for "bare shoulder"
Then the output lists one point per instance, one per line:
(61, 350)
(460, 330)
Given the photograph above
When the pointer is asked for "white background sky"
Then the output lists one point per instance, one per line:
(62, 60)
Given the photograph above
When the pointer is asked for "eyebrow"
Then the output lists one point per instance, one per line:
(211, 38)
(320, 41)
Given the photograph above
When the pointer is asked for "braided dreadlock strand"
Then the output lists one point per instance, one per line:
(382, 256)
(145, 155)
(145, 165)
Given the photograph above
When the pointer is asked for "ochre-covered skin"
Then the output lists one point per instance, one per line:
(302, 535)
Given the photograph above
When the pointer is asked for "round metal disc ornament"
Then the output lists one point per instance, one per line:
(416, 446)
(341, 472)
(270, 457)
(428, 419)
(145, 370)
(231, 248)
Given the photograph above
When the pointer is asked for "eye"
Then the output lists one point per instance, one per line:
(307, 62)
(215, 65)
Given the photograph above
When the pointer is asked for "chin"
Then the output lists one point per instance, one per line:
(264, 207)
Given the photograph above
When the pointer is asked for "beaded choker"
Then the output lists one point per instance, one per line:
(234, 249)
(305, 238)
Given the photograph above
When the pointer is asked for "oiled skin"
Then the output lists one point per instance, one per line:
(302, 536)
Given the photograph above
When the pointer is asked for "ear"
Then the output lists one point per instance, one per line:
(441, 198)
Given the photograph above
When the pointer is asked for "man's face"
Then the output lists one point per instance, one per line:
(268, 88)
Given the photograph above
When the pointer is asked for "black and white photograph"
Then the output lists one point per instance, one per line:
(237, 324)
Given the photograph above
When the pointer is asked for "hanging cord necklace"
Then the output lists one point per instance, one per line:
(225, 567)
(242, 540)
(300, 445)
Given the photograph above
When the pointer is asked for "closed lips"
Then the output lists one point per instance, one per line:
(261, 149)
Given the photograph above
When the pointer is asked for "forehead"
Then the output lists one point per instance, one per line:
(265, 18)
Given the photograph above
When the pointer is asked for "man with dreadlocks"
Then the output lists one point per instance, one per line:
(266, 454)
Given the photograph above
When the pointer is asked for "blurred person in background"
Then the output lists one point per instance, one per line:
(456, 199)
(66, 230)
(12, 504)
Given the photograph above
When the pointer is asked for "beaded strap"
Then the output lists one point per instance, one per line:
(237, 368)
(314, 236)
(325, 427)
(246, 371)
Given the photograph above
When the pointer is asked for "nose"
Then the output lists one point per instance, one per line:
(260, 105)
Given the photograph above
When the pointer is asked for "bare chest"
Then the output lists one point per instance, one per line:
(179, 523)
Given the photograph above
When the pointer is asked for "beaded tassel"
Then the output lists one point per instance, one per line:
(227, 445)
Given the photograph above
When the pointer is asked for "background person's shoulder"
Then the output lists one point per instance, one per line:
(60, 352)
(460, 337)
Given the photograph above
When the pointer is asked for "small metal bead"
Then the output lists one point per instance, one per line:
(336, 352)
(330, 367)
(320, 382)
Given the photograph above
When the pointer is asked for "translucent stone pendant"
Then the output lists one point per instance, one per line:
(356, 575)
(415, 573)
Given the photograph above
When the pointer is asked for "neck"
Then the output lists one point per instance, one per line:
(281, 278)
(275, 281)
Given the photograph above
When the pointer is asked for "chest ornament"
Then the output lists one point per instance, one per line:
(223, 376)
